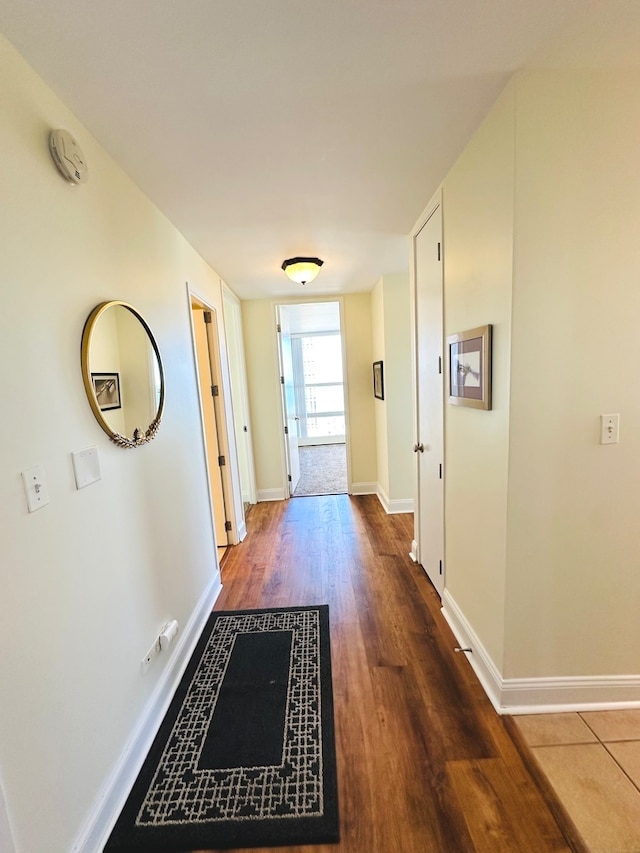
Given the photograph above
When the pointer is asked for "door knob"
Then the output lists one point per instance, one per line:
(418, 447)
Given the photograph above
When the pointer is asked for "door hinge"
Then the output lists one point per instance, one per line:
(441, 470)
(221, 461)
(440, 566)
(289, 477)
(207, 316)
(439, 364)
(227, 525)
(286, 430)
(439, 252)
(282, 380)
(278, 328)
(215, 391)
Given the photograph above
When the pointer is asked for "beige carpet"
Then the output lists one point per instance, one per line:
(323, 470)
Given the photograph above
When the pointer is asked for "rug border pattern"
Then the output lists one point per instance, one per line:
(267, 792)
(280, 830)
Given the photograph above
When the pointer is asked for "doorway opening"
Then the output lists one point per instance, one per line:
(313, 398)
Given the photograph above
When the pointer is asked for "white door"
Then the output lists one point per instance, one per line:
(429, 447)
(239, 396)
(290, 414)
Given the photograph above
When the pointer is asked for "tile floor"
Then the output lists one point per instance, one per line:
(592, 760)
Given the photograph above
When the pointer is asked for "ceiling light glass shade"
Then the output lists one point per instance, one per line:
(302, 270)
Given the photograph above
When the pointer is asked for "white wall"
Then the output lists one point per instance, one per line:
(105, 358)
(398, 390)
(88, 580)
(478, 236)
(574, 572)
(380, 406)
(237, 371)
(391, 323)
(541, 216)
(6, 839)
(136, 385)
(360, 402)
(265, 407)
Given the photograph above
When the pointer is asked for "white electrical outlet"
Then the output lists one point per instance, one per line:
(86, 467)
(153, 651)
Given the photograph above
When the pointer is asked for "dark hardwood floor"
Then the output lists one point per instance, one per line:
(425, 765)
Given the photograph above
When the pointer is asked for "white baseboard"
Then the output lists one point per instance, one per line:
(393, 506)
(271, 495)
(405, 505)
(242, 530)
(480, 660)
(99, 822)
(363, 488)
(573, 693)
(539, 695)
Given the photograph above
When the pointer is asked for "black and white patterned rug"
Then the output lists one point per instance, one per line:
(245, 756)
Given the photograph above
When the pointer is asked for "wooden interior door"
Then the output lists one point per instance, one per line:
(207, 384)
(429, 448)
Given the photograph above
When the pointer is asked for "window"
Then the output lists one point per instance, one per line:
(317, 372)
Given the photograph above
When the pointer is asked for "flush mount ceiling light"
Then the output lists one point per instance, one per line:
(302, 270)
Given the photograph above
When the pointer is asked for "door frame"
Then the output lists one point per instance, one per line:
(416, 546)
(226, 437)
(311, 300)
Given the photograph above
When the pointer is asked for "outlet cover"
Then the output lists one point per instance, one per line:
(146, 660)
(609, 429)
(86, 467)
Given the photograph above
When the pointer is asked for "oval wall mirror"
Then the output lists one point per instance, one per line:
(122, 373)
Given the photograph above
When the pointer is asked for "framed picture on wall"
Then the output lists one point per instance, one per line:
(106, 387)
(470, 368)
(378, 380)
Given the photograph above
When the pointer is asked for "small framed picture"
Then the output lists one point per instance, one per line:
(378, 380)
(106, 387)
(470, 368)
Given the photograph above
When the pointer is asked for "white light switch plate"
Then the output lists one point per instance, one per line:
(35, 487)
(86, 467)
(609, 429)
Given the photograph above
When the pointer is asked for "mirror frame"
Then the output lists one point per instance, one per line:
(139, 437)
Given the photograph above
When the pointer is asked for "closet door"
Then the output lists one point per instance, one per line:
(429, 446)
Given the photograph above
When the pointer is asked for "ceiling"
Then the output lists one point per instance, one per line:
(265, 129)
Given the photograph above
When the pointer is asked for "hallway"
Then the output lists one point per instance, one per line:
(424, 763)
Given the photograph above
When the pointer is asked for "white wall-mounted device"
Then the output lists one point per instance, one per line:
(168, 634)
(86, 467)
(68, 157)
(609, 429)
